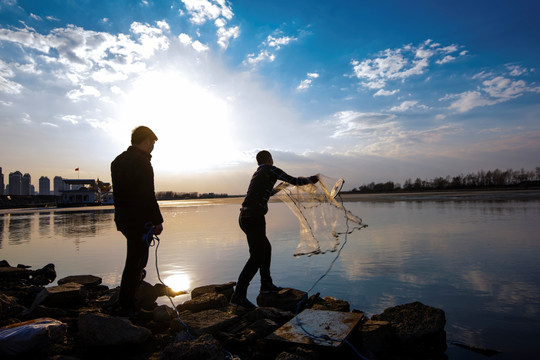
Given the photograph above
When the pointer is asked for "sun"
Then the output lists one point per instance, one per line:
(193, 123)
(178, 282)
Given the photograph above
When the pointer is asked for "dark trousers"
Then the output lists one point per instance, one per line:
(136, 259)
(260, 252)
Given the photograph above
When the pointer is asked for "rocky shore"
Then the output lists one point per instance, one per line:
(77, 319)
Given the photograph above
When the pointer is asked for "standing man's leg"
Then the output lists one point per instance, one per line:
(259, 254)
(136, 259)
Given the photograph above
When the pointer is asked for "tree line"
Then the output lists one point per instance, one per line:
(479, 180)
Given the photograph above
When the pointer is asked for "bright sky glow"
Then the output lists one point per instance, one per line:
(367, 91)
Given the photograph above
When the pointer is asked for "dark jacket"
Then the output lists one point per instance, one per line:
(135, 202)
(261, 188)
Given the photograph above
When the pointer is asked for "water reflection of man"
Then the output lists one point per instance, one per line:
(135, 207)
(253, 224)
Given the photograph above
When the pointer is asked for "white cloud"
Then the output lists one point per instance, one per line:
(73, 119)
(264, 55)
(469, 100)
(404, 106)
(7, 86)
(203, 10)
(400, 64)
(306, 83)
(505, 89)
(358, 124)
(383, 92)
(26, 118)
(446, 59)
(218, 11)
(278, 42)
(269, 46)
(198, 46)
(226, 34)
(82, 92)
(493, 91)
(49, 124)
(184, 39)
(517, 70)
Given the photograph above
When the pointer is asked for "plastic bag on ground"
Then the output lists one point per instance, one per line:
(31, 335)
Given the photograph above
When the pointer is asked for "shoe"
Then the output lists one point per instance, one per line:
(268, 288)
(242, 301)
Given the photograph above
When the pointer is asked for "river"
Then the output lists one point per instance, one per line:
(474, 255)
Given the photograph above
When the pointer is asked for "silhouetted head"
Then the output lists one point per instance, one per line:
(143, 138)
(264, 157)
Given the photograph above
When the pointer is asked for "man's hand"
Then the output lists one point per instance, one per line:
(158, 229)
(314, 179)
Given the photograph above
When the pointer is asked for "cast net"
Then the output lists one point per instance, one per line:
(322, 218)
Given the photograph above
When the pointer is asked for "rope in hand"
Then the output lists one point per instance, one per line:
(152, 239)
(305, 297)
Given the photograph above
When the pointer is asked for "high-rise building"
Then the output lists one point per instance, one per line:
(44, 186)
(59, 185)
(1, 182)
(15, 183)
(26, 184)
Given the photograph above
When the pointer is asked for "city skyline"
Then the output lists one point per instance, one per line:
(368, 92)
(29, 188)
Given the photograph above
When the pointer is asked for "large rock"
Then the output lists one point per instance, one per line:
(277, 315)
(375, 338)
(204, 301)
(225, 289)
(9, 306)
(204, 322)
(147, 294)
(418, 327)
(205, 347)
(331, 304)
(86, 280)
(163, 314)
(43, 276)
(286, 299)
(66, 295)
(97, 329)
(21, 275)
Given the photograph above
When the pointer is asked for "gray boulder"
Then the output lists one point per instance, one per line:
(86, 280)
(66, 295)
(418, 327)
(97, 329)
(205, 322)
(286, 299)
(205, 347)
(204, 301)
(225, 289)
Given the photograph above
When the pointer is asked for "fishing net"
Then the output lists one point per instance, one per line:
(322, 218)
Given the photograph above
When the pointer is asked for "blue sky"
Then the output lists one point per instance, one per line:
(367, 91)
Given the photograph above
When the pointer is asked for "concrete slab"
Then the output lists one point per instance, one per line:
(320, 323)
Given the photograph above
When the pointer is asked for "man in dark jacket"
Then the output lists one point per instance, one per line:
(135, 209)
(253, 223)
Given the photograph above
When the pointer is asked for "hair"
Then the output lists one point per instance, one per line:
(141, 134)
(263, 156)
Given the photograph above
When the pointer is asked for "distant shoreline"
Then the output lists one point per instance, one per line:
(448, 195)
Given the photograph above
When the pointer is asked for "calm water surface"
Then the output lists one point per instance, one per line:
(477, 259)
